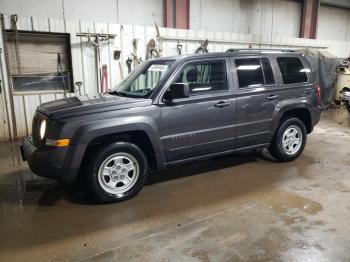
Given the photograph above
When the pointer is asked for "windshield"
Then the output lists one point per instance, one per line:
(143, 79)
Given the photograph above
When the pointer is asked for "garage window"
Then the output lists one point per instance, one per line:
(39, 61)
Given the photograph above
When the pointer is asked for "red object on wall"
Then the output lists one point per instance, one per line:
(104, 85)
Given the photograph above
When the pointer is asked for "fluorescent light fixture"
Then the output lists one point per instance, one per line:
(305, 70)
(248, 67)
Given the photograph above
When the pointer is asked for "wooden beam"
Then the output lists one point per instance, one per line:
(309, 19)
(176, 14)
(169, 13)
(182, 14)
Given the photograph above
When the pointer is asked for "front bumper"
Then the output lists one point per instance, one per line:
(50, 162)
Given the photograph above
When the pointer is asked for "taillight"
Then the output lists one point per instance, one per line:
(318, 94)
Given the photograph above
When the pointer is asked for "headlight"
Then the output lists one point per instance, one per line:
(42, 130)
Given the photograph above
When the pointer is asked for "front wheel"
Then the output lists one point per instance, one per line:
(117, 172)
(289, 140)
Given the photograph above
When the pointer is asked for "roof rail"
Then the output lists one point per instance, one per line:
(259, 50)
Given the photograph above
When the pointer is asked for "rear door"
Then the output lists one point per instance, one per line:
(203, 123)
(258, 91)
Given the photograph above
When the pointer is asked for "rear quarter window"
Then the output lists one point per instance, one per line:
(292, 70)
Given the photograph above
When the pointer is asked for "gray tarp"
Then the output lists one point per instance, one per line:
(324, 66)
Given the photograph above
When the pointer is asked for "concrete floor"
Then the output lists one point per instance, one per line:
(233, 208)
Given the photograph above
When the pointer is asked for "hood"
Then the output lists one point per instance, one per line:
(82, 105)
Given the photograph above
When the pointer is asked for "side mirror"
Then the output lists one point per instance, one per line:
(177, 90)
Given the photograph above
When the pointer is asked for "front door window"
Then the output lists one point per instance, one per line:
(204, 77)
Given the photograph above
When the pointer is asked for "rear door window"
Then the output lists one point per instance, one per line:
(254, 72)
(292, 70)
(249, 72)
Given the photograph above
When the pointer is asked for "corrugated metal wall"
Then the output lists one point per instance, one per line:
(262, 17)
(333, 23)
(139, 12)
(83, 56)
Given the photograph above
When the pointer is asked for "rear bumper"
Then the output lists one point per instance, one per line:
(315, 116)
(50, 162)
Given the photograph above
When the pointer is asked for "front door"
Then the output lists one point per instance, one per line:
(201, 124)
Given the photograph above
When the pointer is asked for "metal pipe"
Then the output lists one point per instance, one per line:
(4, 94)
(171, 38)
(9, 82)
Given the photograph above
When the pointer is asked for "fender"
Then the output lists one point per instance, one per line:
(93, 129)
(85, 133)
(286, 105)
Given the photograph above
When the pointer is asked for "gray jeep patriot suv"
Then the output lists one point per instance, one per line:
(174, 110)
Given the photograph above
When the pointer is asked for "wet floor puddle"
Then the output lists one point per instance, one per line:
(282, 202)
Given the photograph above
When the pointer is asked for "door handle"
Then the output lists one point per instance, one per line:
(222, 103)
(271, 97)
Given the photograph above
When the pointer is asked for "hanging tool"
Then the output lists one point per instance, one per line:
(104, 79)
(151, 51)
(116, 56)
(133, 59)
(79, 84)
(203, 48)
(179, 48)
(128, 64)
(61, 75)
(136, 60)
(99, 39)
(121, 70)
(157, 31)
(159, 40)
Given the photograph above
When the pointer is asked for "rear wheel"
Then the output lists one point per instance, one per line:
(289, 140)
(117, 172)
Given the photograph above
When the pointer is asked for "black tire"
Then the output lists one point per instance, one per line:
(276, 148)
(94, 186)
